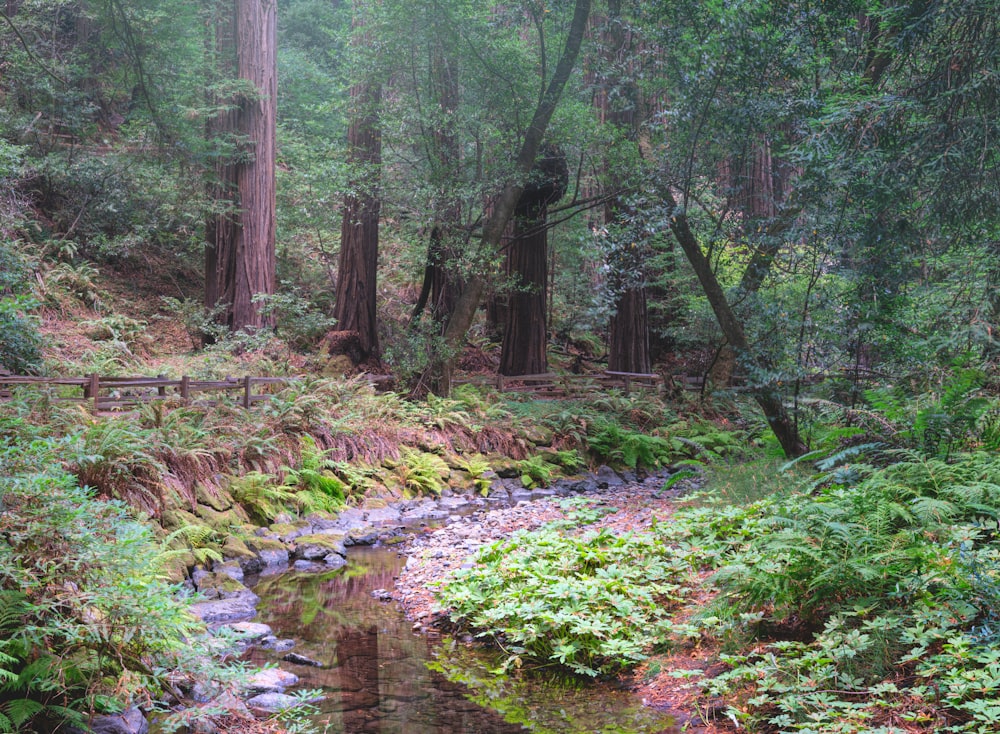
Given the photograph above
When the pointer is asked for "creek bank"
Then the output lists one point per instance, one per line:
(435, 534)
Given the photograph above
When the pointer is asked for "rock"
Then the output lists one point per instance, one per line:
(269, 680)
(319, 545)
(287, 532)
(587, 484)
(221, 586)
(294, 657)
(607, 477)
(362, 536)
(218, 499)
(381, 595)
(383, 516)
(231, 569)
(335, 560)
(250, 632)
(272, 703)
(237, 549)
(128, 722)
(280, 645)
(226, 610)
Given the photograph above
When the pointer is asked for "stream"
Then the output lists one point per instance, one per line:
(378, 676)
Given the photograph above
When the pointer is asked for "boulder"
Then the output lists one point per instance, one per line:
(269, 680)
(226, 610)
(128, 722)
(608, 477)
(272, 703)
(319, 545)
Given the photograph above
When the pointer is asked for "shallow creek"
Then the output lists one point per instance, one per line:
(378, 676)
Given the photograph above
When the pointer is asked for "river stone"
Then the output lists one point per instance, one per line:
(287, 532)
(269, 680)
(231, 569)
(128, 722)
(295, 658)
(250, 632)
(335, 560)
(319, 545)
(607, 477)
(383, 516)
(273, 643)
(236, 549)
(272, 702)
(225, 610)
(587, 484)
(366, 535)
(221, 586)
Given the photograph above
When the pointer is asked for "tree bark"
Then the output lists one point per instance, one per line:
(784, 427)
(355, 307)
(523, 350)
(468, 302)
(240, 258)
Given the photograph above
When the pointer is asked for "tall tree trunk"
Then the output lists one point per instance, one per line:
(357, 265)
(468, 302)
(784, 427)
(523, 350)
(240, 258)
(628, 342)
(525, 334)
(628, 329)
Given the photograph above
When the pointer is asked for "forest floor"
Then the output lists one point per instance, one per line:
(635, 507)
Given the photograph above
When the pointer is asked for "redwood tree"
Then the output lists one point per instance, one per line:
(240, 255)
(357, 264)
(525, 333)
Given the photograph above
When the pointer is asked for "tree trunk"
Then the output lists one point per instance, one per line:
(784, 427)
(357, 265)
(468, 302)
(523, 350)
(240, 257)
(628, 335)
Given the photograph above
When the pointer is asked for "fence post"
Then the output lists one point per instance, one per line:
(246, 392)
(94, 389)
(185, 387)
(499, 382)
(161, 390)
(627, 384)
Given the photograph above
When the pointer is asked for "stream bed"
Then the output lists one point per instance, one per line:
(378, 676)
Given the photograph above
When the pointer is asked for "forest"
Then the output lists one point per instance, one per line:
(750, 248)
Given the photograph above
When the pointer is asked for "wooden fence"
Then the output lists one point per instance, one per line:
(112, 393)
(550, 384)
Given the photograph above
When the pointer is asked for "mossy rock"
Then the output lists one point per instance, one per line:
(234, 517)
(235, 547)
(174, 517)
(504, 466)
(259, 544)
(218, 499)
(538, 435)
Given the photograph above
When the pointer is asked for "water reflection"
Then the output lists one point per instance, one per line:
(380, 677)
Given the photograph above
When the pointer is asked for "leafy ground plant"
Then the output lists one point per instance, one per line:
(593, 603)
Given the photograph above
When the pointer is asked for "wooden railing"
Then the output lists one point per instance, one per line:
(550, 384)
(110, 393)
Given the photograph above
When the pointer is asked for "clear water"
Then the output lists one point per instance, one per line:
(380, 677)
